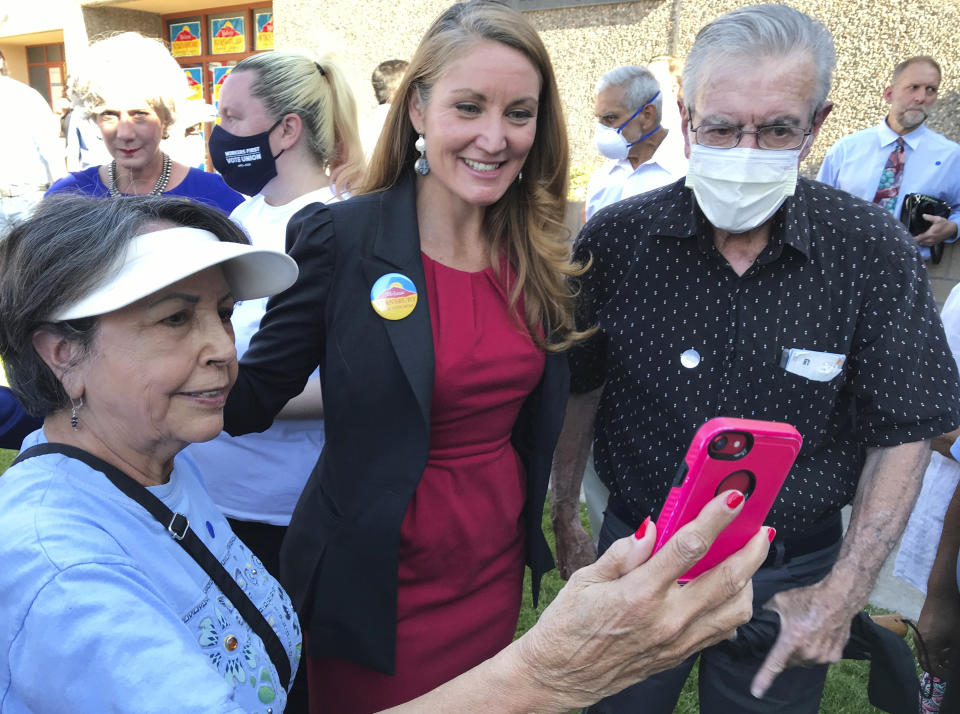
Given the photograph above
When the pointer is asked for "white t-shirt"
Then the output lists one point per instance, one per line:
(259, 477)
(371, 127)
(30, 146)
(918, 547)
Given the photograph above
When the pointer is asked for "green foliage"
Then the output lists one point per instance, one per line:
(579, 177)
(551, 583)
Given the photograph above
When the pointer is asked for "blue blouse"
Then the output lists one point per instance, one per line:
(198, 185)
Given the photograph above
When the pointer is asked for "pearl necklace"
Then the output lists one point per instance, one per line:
(158, 187)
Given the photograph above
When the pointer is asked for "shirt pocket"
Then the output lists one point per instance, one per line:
(779, 395)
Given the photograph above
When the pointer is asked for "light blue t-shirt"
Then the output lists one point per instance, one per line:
(104, 612)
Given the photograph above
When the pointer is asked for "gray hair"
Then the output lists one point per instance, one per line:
(66, 248)
(919, 59)
(639, 86)
(761, 31)
(123, 65)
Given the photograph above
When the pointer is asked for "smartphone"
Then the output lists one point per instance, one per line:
(750, 456)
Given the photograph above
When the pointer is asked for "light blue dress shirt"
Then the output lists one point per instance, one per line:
(931, 166)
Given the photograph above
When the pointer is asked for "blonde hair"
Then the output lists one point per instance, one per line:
(674, 66)
(132, 65)
(317, 92)
(526, 223)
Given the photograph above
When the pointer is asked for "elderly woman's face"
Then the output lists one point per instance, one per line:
(480, 124)
(132, 132)
(160, 369)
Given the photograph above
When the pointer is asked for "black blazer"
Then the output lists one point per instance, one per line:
(339, 558)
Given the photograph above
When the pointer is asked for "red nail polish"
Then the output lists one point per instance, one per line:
(642, 529)
(771, 534)
(734, 499)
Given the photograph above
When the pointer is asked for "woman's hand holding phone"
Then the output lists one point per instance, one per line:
(625, 617)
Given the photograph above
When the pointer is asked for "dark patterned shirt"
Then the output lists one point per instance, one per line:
(839, 275)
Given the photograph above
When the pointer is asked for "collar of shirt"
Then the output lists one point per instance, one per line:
(670, 154)
(888, 136)
(688, 221)
(666, 157)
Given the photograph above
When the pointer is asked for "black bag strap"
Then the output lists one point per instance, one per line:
(179, 527)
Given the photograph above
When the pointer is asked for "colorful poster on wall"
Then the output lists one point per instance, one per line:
(185, 39)
(219, 74)
(228, 35)
(195, 80)
(264, 30)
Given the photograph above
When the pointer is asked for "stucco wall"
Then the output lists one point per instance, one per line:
(871, 38)
(362, 33)
(584, 42)
(16, 58)
(101, 22)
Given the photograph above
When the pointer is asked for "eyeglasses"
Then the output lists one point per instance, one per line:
(775, 137)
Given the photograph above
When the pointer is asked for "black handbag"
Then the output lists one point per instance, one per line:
(179, 528)
(911, 215)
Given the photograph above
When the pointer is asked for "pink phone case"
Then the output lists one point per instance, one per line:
(743, 454)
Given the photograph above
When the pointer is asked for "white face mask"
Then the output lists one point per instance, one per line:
(610, 142)
(740, 188)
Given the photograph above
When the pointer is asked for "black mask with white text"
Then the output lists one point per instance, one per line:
(244, 162)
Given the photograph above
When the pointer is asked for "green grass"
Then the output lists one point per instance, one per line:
(5, 458)
(845, 691)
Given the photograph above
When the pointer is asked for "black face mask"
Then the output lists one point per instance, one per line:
(244, 162)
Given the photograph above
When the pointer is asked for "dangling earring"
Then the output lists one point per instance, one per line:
(421, 166)
(76, 404)
(520, 177)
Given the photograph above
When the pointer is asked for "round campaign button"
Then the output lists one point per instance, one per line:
(393, 296)
(690, 359)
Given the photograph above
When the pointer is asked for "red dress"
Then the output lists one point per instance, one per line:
(461, 542)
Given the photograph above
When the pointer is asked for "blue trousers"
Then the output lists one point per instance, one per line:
(724, 680)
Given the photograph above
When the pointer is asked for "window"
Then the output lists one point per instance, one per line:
(47, 71)
(207, 43)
